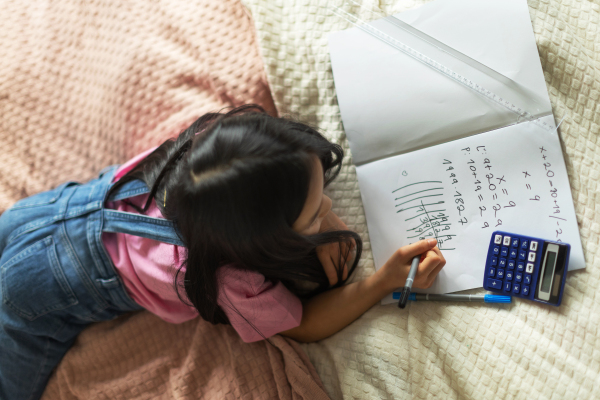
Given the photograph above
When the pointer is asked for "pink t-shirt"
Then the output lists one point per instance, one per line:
(147, 268)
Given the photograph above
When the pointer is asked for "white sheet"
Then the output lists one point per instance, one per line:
(399, 105)
(391, 103)
(434, 350)
(511, 179)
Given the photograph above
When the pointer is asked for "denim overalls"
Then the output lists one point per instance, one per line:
(56, 276)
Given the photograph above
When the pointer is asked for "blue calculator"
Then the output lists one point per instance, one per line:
(527, 267)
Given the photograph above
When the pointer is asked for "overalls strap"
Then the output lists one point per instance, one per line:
(159, 229)
(56, 276)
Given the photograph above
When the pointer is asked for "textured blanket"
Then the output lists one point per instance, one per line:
(86, 84)
(82, 86)
(524, 350)
(140, 356)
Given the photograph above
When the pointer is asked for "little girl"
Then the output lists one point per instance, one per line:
(228, 221)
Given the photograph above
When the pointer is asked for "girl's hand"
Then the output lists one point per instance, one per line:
(329, 254)
(328, 312)
(395, 270)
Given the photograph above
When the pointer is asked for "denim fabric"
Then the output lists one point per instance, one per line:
(56, 276)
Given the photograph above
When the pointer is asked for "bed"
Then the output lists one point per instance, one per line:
(88, 84)
(520, 351)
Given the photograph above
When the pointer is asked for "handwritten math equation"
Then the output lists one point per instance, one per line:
(552, 190)
(482, 190)
(489, 185)
(425, 212)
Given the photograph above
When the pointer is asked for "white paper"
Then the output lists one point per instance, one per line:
(418, 136)
(511, 179)
(391, 103)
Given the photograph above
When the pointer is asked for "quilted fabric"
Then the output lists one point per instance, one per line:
(85, 84)
(519, 351)
(139, 356)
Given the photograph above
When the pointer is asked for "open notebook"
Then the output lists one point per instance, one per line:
(436, 159)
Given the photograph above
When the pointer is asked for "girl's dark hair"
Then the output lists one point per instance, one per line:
(233, 184)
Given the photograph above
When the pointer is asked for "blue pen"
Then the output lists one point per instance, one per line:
(409, 281)
(487, 298)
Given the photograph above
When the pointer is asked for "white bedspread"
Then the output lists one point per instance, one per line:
(522, 351)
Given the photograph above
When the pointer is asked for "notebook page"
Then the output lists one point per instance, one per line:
(512, 179)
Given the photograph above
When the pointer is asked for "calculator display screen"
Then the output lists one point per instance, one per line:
(548, 271)
(551, 272)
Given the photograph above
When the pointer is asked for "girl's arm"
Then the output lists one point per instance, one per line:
(331, 311)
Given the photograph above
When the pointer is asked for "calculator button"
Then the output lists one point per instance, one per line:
(507, 286)
(515, 242)
(506, 241)
(500, 274)
(524, 245)
(518, 277)
(494, 261)
(513, 253)
(502, 263)
(522, 255)
(498, 239)
(529, 268)
(525, 290)
(509, 275)
(492, 272)
(531, 256)
(496, 251)
(533, 245)
(516, 288)
(520, 267)
(494, 284)
(510, 264)
(504, 252)
(527, 279)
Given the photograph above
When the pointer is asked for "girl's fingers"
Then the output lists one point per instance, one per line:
(329, 256)
(439, 253)
(431, 265)
(430, 261)
(326, 257)
(347, 253)
(437, 269)
(434, 274)
(350, 261)
(405, 254)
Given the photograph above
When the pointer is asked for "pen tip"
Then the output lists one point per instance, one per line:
(404, 297)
